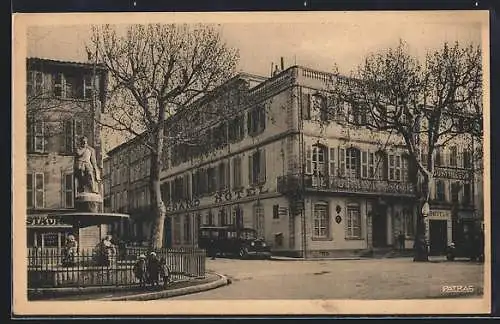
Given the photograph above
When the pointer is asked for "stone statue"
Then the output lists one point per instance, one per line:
(86, 170)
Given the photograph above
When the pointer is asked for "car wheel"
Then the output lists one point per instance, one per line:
(243, 253)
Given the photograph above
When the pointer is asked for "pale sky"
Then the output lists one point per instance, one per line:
(316, 40)
(315, 44)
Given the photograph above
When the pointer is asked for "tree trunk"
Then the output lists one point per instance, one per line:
(157, 204)
(420, 244)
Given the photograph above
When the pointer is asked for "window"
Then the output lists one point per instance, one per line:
(29, 186)
(320, 107)
(36, 136)
(35, 83)
(237, 183)
(186, 192)
(453, 156)
(352, 163)
(73, 131)
(223, 176)
(70, 86)
(405, 168)
(364, 165)
(408, 222)
(353, 222)
(256, 120)
(38, 200)
(467, 159)
(437, 157)
(381, 166)
(212, 179)
(440, 194)
(394, 167)
(68, 190)
(319, 165)
(371, 165)
(467, 194)
(331, 159)
(308, 160)
(257, 167)
(276, 211)
(87, 87)
(342, 162)
(455, 187)
(236, 129)
(321, 220)
(258, 219)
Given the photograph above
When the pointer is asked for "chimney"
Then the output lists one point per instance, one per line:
(282, 64)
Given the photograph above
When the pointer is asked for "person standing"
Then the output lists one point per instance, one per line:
(401, 241)
(154, 268)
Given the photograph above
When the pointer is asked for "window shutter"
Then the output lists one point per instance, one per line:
(249, 122)
(341, 162)
(308, 160)
(262, 118)
(364, 164)
(262, 169)
(31, 135)
(30, 188)
(250, 169)
(331, 159)
(228, 175)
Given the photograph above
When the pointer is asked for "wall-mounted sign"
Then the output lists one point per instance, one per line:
(229, 195)
(447, 173)
(338, 219)
(440, 214)
(42, 221)
(338, 209)
(183, 204)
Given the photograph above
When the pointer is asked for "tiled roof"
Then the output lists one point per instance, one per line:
(60, 62)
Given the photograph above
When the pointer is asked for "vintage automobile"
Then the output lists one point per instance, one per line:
(228, 241)
(471, 248)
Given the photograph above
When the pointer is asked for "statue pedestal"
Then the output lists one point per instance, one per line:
(89, 202)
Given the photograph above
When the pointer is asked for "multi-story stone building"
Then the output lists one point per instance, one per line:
(307, 187)
(61, 107)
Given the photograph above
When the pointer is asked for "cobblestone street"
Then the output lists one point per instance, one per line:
(341, 279)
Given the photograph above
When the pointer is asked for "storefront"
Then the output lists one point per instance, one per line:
(438, 229)
(46, 231)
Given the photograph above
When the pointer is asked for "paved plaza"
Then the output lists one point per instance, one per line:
(344, 279)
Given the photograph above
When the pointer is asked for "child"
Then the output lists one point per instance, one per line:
(140, 270)
(164, 272)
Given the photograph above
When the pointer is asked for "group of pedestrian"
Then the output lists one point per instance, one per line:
(152, 270)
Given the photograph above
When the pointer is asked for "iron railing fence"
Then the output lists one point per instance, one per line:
(51, 268)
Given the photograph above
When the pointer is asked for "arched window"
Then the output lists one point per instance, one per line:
(321, 220)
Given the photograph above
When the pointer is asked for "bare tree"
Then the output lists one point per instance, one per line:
(156, 73)
(427, 103)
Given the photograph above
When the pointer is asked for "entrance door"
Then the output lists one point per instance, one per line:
(438, 237)
(379, 227)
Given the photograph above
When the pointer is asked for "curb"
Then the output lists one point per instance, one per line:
(221, 281)
(320, 259)
(71, 291)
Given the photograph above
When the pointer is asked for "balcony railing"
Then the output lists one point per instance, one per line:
(296, 182)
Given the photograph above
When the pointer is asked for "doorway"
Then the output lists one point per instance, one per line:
(379, 227)
(438, 234)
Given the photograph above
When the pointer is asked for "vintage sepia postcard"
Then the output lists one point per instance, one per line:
(251, 163)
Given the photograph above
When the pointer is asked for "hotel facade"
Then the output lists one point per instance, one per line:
(309, 188)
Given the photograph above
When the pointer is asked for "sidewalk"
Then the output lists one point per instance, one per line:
(178, 288)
